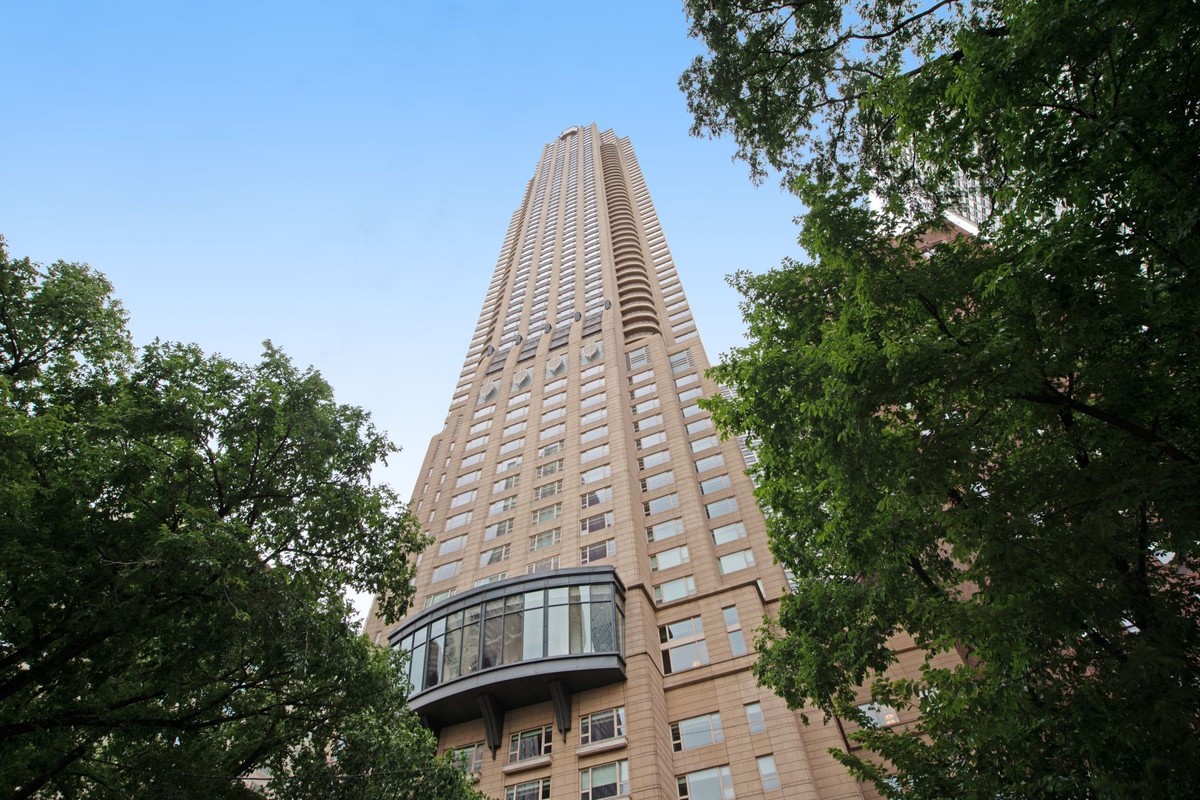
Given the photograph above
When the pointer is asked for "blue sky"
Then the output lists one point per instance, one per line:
(338, 177)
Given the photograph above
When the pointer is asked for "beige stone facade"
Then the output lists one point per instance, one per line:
(573, 440)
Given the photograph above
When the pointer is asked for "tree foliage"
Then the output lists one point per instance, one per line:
(993, 443)
(176, 532)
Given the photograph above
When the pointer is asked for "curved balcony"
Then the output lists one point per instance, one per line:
(516, 642)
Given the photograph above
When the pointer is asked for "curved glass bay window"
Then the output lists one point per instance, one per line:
(481, 639)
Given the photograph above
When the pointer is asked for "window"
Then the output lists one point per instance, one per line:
(446, 571)
(546, 565)
(669, 558)
(516, 427)
(471, 460)
(601, 726)
(479, 427)
(540, 541)
(598, 551)
(483, 412)
(697, 732)
(553, 414)
(593, 416)
(458, 520)
(499, 576)
(637, 358)
(683, 645)
(594, 400)
(733, 562)
(641, 376)
(549, 468)
(768, 773)
(674, 590)
(596, 474)
(515, 444)
(502, 528)
(596, 497)
(494, 556)
(690, 394)
(652, 439)
(505, 466)
(715, 783)
(596, 522)
(452, 545)
(654, 460)
(501, 506)
(712, 462)
(530, 790)
(469, 758)
(604, 780)
(516, 413)
(593, 434)
(546, 514)
(754, 717)
(591, 386)
(478, 441)
(699, 425)
(649, 422)
(550, 449)
(554, 398)
(506, 483)
(685, 380)
(660, 504)
(705, 443)
(681, 362)
(717, 484)
(658, 481)
(880, 716)
(552, 431)
(530, 744)
(463, 498)
(729, 533)
(591, 371)
(438, 597)
(591, 455)
(469, 477)
(665, 530)
(554, 386)
(643, 391)
(646, 405)
(691, 411)
(733, 626)
(547, 490)
(518, 398)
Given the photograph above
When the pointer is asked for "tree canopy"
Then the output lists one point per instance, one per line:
(991, 442)
(176, 532)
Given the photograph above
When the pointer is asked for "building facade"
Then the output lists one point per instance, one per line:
(583, 622)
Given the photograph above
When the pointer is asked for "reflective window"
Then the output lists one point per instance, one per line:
(715, 783)
(677, 589)
(599, 551)
(697, 732)
(604, 780)
(601, 726)
(530, 744)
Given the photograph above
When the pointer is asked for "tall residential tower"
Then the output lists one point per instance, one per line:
(583, 624)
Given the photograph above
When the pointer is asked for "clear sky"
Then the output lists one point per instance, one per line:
(338, 176)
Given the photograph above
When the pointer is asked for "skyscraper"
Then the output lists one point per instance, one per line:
(584, 621)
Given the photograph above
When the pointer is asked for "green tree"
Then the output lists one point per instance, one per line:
(993, 443)
(176, 532)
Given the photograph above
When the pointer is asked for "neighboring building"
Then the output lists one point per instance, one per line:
(583, 624)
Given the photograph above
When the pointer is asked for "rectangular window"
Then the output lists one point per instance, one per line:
(479, 427)
(651, 439)
(546, 565)
(463, 498)
(717, 484)
(658, 481)
(593, 416)
(540, 541)
(516, 427)
(712, 462)
(754, 717)
(669, 558)
(699, 425)
(505, 484)
(472, 460)
(705, 443)
(647, 423)
(691, 411)
(654, 460)
(550, 449)
(742, 559)
(592, 386)
(547, 490)
(690, 394)
(483, 412)
(452, 545)
(550, 468)
(469, 758)
(591, 371)
(546, 514)
(598, 551)
(530, 790)
(733, 626)
(879, 716)
(768, 773)
(478, 441)
(438, 597)
(602, 726)
(554, 398)
(646, 405)
(594, 400)
(502, 528)
(685, 380)
(604, 780)
(715, 783)
(515, 444)
(729, 533)
(505, 466)
(643, 391)
(665, 530)
(677, 589)
(494, 556)
(683, 646)
(719, 508)
(641, 376)
(444, 572)
(658, 505)
(469, 477)
(554, 414)
(596, 497)
(596, 474)
(681, 361)
(516, 413)
(593, 434)
(518, 398)
(458, 520)
(700, 731)
(499, 576)
(596, 522)
(500, 506)
(591, 455)
(530, 744)
(552, 431)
